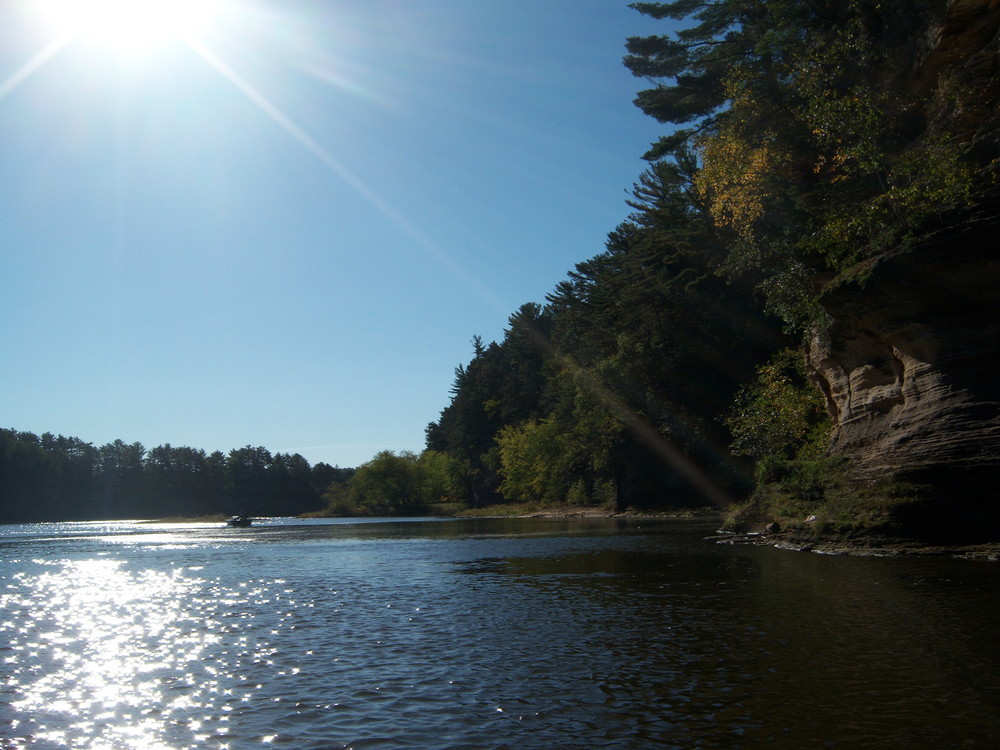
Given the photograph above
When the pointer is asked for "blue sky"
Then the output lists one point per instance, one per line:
(285, 230)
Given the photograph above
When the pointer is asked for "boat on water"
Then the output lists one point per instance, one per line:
(242, 521)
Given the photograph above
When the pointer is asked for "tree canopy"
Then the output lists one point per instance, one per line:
(615, 391)
(820, 139)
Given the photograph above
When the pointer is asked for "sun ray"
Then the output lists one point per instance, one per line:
(131, 26)
(328, 160)
(24, 72)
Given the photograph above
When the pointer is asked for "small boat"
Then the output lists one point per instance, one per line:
(241, 521)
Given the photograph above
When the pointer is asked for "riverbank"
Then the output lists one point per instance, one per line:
(531, 510)
(856, 543)
(860, 544)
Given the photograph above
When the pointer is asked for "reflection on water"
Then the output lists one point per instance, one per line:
(483, 634)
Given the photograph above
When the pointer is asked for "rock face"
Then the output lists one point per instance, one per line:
(911, 362)
(960, 77)
(911, 371)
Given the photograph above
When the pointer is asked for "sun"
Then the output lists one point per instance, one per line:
(130, 26)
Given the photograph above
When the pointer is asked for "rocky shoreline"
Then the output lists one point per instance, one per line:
(855, 543)
(532, 510)
(870, 545)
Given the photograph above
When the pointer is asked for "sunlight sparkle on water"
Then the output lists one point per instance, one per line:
(103, 640)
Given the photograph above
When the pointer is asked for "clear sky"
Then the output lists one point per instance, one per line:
(281, 225)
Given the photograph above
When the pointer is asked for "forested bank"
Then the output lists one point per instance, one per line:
(808, 143)
(56, 478)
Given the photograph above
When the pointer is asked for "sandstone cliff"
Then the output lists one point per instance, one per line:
(910, 363)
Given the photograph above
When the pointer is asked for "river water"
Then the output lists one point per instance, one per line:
(573, 633)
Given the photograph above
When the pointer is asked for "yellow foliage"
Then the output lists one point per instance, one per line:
(738, 179)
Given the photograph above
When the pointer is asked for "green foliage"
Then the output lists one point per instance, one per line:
(396, 484)
(635, 357)
(532, 457)
(440, 478)
(781, 414)
(819, 496)
(805, 149)
(817, 148)
(503, 384)
(694, 61)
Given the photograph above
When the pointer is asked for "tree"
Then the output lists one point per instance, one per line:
(503, 384)
(52, 478)
(780, 413)
(388, 485)
(532, 460)
(291, 483)
(805, 146)
(122, 484)
(820, 145)
(247, 479)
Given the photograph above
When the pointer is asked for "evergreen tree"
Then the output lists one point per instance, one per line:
(55, 478)
(820, 143)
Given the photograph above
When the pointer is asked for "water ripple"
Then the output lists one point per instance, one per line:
(440, 638)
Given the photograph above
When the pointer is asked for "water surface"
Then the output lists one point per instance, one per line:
(540, 633)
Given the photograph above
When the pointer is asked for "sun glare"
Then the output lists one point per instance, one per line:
(131, 26)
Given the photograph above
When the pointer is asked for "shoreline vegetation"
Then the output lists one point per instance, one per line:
(853, 543)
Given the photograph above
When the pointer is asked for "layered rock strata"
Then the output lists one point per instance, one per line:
(911, 362)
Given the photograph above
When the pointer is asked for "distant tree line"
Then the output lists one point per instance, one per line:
(52, 477)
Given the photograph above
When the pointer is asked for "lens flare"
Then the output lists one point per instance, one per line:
(131, 26)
